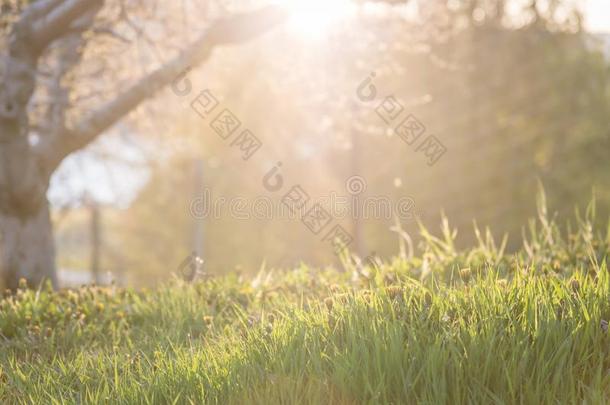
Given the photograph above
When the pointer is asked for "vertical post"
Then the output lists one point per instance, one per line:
(96, 240)
(197, 235)
(356, 169)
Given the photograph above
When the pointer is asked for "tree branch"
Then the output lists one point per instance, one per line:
(238, 28)
(38, 9)
(59, 19)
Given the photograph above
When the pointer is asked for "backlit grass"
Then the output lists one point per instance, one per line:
(478, 326)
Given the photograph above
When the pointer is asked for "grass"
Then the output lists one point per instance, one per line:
(478, 326)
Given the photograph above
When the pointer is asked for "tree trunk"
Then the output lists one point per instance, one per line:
(26, 165)
(27, 248)
(26, 236)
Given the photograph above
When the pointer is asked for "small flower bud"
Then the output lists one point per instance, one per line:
(427, 298)
(465, 274)
(394, 291)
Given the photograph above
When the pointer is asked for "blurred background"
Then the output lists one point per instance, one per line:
(440, 106)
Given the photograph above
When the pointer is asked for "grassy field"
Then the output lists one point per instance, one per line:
(478, 326)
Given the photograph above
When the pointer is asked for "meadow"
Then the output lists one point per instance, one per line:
(263, 134)
(439, 326)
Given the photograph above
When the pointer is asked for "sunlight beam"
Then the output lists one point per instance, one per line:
(314, 19)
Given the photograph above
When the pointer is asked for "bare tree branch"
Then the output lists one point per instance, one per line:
(59, 19)
(237, 28)
(111, 33)
(39, 9)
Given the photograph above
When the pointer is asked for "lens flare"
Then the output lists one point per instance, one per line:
(314, 19)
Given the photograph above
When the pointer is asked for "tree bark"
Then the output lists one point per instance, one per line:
(27, 248)
(26, 241)
(26, 236)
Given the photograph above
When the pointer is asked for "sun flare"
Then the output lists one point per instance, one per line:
(314, 19)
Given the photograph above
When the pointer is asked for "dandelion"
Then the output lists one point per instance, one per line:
(367, 298)
(394, 291)
(99, 306)
(389, 278)
(342, 297)
(332, 321)
(208, 320)
(574, 285)
(465, 274)
(427, 298)
(72, 296)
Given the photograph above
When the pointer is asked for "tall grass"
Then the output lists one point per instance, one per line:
(446, 326)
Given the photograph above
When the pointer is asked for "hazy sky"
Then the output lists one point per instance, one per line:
(111, 183)
(597, 14)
